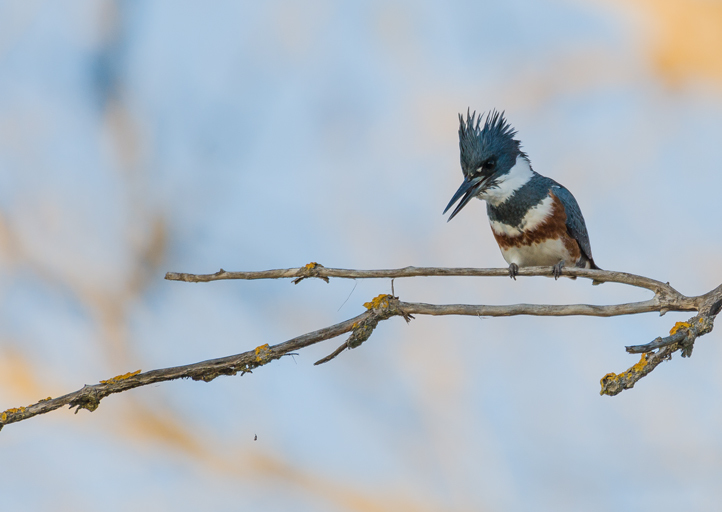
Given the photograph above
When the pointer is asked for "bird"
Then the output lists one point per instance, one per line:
(535, 220)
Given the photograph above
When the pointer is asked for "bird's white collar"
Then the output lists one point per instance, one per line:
(509, 183)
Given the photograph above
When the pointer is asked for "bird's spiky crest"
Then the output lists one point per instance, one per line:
(494, 125)
(475, 140)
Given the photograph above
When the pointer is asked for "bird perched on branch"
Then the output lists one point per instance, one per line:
(535, 220)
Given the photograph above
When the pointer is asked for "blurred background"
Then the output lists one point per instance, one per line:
(143, 137)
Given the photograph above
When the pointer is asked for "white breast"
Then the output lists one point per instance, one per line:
(534, 218)
(547, 253)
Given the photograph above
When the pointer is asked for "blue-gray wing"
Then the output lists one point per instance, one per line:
(575, 221)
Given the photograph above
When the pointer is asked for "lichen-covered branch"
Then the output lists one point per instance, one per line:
(681, 337)
(89, 396)
(384, 306)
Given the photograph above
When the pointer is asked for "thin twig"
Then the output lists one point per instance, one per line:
(657, 343)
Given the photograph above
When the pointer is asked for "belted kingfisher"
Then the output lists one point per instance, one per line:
(535, 220)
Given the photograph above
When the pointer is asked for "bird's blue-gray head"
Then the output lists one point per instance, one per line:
(487, 154)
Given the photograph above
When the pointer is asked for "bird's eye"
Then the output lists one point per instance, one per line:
(487, 167)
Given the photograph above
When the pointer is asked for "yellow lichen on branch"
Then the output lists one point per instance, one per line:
(13, 410)
(380, 302)
(639, 366)
(309, 270)
(612, 380)
(118, 378)
(678, 326)
(261, 353)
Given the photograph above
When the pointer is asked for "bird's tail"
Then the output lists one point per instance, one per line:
(594, 266)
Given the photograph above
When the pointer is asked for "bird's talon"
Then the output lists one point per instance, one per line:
(513, 271)
(557, 270)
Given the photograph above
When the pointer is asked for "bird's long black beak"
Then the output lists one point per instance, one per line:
(466, 192)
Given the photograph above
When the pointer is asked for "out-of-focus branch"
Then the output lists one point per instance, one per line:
(383, 307)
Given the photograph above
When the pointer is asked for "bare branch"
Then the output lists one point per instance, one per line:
(542, 309)
(317, 270)
(385, 306)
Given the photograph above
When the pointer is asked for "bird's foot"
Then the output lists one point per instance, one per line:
(557, 270)
(513, 271)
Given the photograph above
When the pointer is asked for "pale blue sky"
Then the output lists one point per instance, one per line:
(248, 135)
